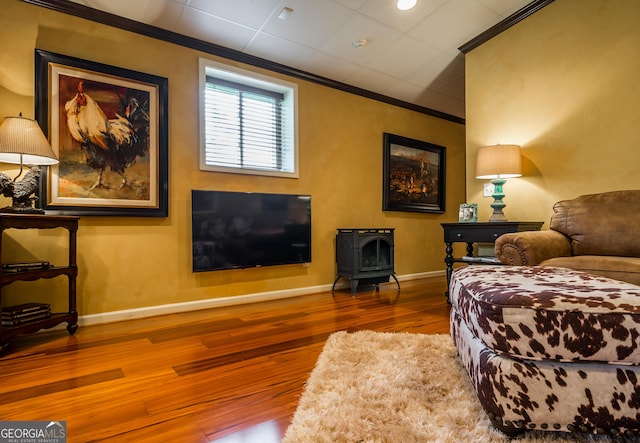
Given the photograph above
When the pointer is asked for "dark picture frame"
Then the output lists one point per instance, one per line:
(119, 169)
(413, 176)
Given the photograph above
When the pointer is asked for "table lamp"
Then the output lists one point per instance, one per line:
(23, 142)
(498, 163)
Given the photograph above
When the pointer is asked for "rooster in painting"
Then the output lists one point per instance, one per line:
(115, 143)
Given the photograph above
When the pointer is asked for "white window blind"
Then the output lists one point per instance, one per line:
(243, 126)
(248, 126)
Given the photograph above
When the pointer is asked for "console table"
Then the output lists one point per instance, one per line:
(480, 232)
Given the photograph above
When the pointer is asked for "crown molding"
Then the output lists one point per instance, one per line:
(505, 24)
(78, 10)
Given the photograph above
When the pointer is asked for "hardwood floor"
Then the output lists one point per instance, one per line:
(230, 374)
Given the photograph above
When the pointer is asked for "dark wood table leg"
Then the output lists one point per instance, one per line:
(469, 249)
(448, 259)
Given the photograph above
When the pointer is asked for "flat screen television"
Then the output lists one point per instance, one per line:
(245, 230)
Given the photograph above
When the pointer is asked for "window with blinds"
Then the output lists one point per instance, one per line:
(248, 123)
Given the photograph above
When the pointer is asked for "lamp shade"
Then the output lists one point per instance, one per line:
(498, 161)
(23, 142)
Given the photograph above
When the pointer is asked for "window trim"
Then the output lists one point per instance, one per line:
(252, 79)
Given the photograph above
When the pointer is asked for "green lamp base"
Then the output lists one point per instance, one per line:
(498, 205)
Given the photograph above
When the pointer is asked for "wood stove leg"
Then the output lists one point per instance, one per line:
(334, 283)
(354, 286)
(396, 279)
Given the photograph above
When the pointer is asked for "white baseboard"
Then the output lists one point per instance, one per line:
(151, 311)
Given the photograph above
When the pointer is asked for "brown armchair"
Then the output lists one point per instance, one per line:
(594, 233)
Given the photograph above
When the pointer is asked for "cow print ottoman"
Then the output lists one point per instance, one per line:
(549, 348)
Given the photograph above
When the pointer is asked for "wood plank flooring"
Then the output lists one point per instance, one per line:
(230, 374)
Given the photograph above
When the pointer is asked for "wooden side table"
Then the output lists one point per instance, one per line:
(70, 269)
(481, 232)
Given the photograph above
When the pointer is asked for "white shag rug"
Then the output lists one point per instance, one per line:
(397, 388)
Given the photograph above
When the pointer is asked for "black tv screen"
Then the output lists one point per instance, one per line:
(245, 230)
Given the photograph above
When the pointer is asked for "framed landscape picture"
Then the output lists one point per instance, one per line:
(413, 176)
(108, 126)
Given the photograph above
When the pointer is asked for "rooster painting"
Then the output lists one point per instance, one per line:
(116, 141)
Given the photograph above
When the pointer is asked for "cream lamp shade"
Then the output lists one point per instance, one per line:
(23, 142)
(498, 163)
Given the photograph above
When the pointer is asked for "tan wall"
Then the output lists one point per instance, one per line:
(136, 262)
(562, 84)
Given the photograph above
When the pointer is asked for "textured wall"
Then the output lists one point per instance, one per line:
(562, 84)
(138, 262)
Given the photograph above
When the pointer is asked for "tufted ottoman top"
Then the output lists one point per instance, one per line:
(549, 313)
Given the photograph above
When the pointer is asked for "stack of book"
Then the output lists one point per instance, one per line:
(482, 259)
(25, 266)
(25, 313)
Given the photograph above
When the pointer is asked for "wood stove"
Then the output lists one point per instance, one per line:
(365, 255)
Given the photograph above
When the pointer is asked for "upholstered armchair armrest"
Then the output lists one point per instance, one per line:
(530, 248)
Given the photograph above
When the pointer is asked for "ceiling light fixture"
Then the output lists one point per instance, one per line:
(285, 13)
(404, 5)
(359, 43)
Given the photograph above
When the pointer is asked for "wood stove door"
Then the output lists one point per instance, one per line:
(375, 254)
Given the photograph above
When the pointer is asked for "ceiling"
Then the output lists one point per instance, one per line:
(409, 55)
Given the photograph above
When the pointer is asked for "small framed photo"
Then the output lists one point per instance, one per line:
(468, 213)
